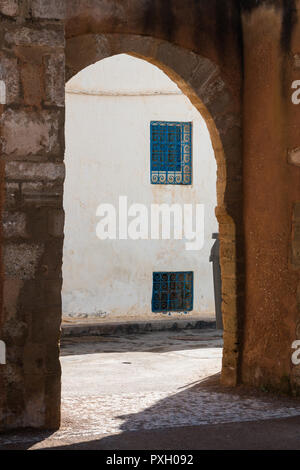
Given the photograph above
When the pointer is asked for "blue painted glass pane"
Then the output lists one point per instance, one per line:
(171, 152)
(173, 291)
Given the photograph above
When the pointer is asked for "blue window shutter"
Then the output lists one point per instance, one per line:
(171, 152)
(173, 291)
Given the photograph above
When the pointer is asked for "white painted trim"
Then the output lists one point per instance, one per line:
(122, 93)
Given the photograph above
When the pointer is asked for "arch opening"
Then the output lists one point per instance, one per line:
(199, 80)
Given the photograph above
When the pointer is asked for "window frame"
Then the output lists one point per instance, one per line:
(157, 287)
(164, 176)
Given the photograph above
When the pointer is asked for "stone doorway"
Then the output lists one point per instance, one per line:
(33, 251)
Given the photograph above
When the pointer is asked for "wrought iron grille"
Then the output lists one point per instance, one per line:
(172, 291)
(171, 152)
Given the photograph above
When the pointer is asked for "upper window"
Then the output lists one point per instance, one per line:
(171, 152)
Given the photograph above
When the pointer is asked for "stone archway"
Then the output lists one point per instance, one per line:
(253, 44)
(201, 81)
(32, 127)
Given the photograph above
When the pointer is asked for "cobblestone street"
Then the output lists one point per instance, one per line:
(154, 381)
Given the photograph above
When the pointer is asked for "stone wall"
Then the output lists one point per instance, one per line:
(271, 194)
(236, 62)
(32, 151)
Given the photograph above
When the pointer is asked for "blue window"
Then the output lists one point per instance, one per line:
(171, 152)
(172, 291)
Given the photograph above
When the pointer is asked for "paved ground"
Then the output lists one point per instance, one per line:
(159, 390)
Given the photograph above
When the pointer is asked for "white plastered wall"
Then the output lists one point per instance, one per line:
(109, 106)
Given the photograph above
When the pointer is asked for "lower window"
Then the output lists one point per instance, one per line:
(172, 291)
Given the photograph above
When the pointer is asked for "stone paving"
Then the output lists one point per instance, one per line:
(162, 410)
(150, 381)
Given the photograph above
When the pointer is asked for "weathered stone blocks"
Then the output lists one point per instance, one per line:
(55, 79)
(42, 193)
(32, 84)
(56, 219)
(28, 171)
(14, 225)
(11, 293)
(10, 74)
(175, 59)
(31, 133)
(34, 398)
(48, 9)
(12, 195)
(9, 7)
(51, 36)
(34, 358)
(21, 261)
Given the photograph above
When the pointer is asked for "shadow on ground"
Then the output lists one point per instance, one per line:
(255, 421)
(273, 434)
(143, 342)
